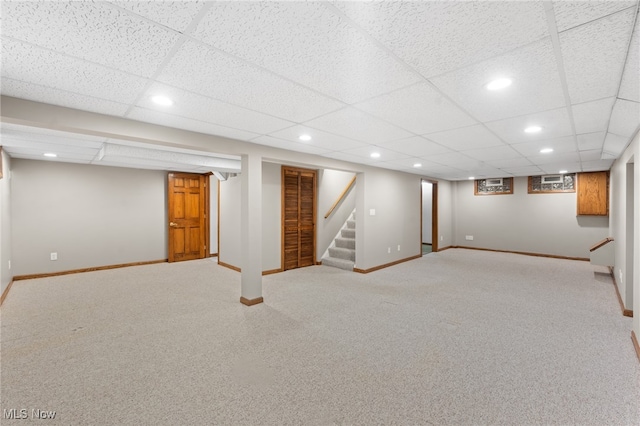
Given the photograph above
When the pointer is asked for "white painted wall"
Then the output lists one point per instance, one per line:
(331, 183)
(395, 197)
(427, 213)
(6, 274)
(534, 223)
(629, 288)
(89, 215)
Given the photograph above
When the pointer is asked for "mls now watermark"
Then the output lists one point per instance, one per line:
(23, 413)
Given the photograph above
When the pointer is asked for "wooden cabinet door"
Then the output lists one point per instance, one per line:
(298, 218)
(186, 194)
(593, 194)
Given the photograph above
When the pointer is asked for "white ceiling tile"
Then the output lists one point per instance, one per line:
(554, 168)
(291, 146)
(503, 152)
(36, 92)
(536, 83)
(593, 63)
(630, 86)
(30, 64)
(509, 163)
(415, 146)
(589, 141)
(343, 156)
(426, 165)
(553, 158)
(597, 166)
(191, 105)
(419, 108)
(625, 118)
(437, 37)
(320, 139)
(176, 15)
(455, 159)
(321, 46)
(524, 170)
(555, 123)
(466, 138)
(592, 116)
(164, 119)
(94, 31)
(591, 155)
(559, 145)
(570, 14)
(364, 153)
(614, 144)
(354, 124)
(207, 71)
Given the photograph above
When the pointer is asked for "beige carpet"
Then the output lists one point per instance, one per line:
(457, 337)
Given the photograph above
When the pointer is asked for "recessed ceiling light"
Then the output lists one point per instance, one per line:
(375, 155)
(499, 83)
(563, 171)
(546, 150)
(417, 165)
(162, 100)
(471, 178)
(305, 138)
(533, 129)
(50, 154)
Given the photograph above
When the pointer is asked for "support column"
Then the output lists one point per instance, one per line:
(251, 230)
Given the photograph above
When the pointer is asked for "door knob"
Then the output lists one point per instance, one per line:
(173, 224)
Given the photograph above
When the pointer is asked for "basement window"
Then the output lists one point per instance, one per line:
(493, 186)
(552, 184)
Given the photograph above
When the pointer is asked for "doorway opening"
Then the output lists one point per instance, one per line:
(428, 217)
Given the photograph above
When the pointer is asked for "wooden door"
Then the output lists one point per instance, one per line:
(187, 228)
(299, 217)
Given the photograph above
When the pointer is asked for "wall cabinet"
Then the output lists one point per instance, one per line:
(593, 194)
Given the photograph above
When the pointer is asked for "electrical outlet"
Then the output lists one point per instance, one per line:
(9, 264)
(388, 249)
(54, 256)
(441, 237)
(398, 247)
(468, 237)
(620, 273)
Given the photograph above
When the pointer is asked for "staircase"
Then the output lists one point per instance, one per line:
(342, 252)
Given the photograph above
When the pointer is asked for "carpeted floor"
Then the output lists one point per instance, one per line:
(458, 337)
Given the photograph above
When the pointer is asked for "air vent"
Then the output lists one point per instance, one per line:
(494, 182)
(552, 179)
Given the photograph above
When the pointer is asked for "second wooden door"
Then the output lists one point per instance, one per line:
(299, 217)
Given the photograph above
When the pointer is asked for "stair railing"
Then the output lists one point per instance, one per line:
(341, 197)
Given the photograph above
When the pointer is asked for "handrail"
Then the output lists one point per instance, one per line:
(599, 244)
(344, 193)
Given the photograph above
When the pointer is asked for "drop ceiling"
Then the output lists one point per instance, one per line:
(404, 79)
